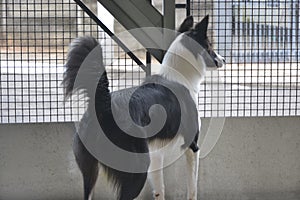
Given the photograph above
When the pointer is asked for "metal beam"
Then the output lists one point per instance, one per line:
(133, 14)
(111, 34)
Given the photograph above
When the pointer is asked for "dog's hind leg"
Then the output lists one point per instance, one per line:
(130, 185)
(156, 176)
(192, 159)
(88, 166)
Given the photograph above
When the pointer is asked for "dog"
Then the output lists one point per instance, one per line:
(175, 88)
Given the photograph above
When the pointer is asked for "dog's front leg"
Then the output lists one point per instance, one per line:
(192, 176)
(156, 176)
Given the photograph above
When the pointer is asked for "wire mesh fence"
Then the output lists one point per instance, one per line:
(259, 39)
(34, 39)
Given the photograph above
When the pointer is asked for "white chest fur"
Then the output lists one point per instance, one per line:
(182, 66)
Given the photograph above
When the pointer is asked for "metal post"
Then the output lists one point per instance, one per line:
(148, 63)
(188, 7)
(1, 21)
(168, 22)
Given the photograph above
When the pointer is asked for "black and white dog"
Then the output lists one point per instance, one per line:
(175, 88)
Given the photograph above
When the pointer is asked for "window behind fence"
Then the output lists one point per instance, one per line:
(259, 39)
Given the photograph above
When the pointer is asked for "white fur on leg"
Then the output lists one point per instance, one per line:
(156, 176)
(91, 194)
(192, 169)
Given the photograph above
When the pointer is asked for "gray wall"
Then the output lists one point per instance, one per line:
(255, 158)
(36, 22)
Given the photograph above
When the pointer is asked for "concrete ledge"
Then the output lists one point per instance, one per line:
(255, 158)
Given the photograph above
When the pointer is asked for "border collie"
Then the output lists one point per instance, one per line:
(175, 89)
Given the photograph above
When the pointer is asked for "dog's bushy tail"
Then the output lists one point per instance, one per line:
(84, 67)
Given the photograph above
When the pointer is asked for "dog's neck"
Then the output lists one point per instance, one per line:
(180, 65)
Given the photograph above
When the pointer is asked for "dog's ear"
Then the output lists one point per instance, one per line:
(186, 25)
(201, 27)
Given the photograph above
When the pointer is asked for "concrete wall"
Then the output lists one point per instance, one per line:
(38, 22)
(255, 158)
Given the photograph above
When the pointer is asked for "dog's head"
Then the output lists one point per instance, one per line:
(198, 35)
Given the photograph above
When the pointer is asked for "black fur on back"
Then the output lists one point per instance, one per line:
(177, 102)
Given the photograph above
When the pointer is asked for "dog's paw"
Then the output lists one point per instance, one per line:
(192, 196)
(158, 196)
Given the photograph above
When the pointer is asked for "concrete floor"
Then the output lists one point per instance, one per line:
(255, 159)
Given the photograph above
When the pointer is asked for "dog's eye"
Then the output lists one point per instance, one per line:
(206, 45)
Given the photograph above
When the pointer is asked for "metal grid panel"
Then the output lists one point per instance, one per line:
(34, 39)
(260, 41)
